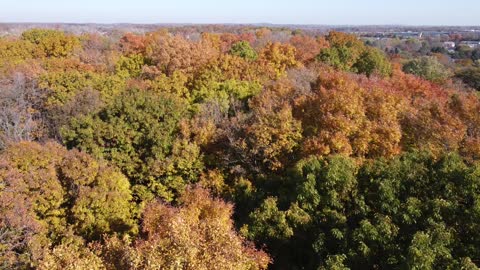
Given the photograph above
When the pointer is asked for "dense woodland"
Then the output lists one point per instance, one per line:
(248, 150)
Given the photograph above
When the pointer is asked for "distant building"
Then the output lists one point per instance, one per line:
(406, 35)
(471, 44)
(434, 34)
(449, 45)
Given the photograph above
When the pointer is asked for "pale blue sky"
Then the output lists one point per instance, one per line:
(407, 12)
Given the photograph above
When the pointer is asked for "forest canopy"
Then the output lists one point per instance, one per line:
(249, 149)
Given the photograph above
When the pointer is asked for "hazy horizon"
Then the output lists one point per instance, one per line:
(233, 24)
(280, 12)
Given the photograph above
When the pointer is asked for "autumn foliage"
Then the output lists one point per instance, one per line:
(247, 149)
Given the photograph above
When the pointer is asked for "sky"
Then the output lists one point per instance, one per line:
(326, 12)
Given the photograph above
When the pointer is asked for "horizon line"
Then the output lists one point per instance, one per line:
(240, 24)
